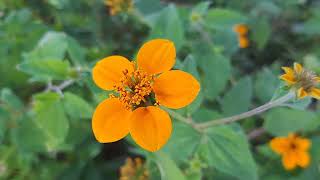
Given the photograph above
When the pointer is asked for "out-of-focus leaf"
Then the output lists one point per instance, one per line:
(217, 71)
(282, 121)
(76, 107)
(46, 70)
(50, 118)
(265, 85)
(224, 18)
(76, 52)
(228, 151)
(168, 25)
(260, 32)
(205, 114)
(168, 168)
(147, 7)
(182, 143)
(238, 99)
(10, 99)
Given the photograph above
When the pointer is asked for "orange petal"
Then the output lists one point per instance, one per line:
(243, 42)
(288, 78)
(150, 127)
(301, 93)
(315, 92)
(279, 145)
(110, 121)
(108, 71)
(303, 144)
(157, 56)
(303, 159)
(241, 29)
(297, 67)
(317, 79)
(176, 89)
(289, 160)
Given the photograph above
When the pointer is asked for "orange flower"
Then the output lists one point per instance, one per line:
(242, 32)
(134, 169)
(243, 42)
(139, 90)
(241, 29)
(293, 149)
(304, 81)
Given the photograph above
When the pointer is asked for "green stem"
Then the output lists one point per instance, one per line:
(247, 114)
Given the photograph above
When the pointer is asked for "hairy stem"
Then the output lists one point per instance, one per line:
(247, 114)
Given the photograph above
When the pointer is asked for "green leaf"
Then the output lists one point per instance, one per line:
(238, 98)
(205, 114)
(52, 45)
(228, 151)
(265, 85)
(182, 143)
(76, 107)
(10, 99)
(201, 8)
(224, 18)
(76, 52)
(168, 169)
(50, 118)
(45, 70)
(169, 25)
(217, 71)
(260, 31)
(282, 121)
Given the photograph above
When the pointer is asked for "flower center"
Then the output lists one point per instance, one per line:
(306, 79)
(134, 88)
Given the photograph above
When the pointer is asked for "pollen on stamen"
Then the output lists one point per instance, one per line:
(134, 88)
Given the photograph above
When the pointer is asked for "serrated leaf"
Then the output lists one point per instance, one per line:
(168, 169)
(46, 70)
(282, 121)
(76, 107)
(50, 118)
(238, 98)
(228, 151)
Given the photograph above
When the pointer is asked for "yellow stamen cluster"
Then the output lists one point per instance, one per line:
(134, 88)
(117, 6)
(134, 170)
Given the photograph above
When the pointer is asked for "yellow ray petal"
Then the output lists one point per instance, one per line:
(315, 92)
(288, 70)
(288, 78)
(110, 121)
(176, 89)
(301, 93)
(109, 71)
(157, 56)
(150, 127)
(297, 67)
(279, 145)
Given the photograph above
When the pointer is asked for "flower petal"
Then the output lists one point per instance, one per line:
(303, 144)
(110, 121)
(301, 93)
(176, 89)
(288, 70)
(297, 67)
(157, 56)
(279, 145)
(289, 78)
(150, 127)
(289, 160)
(315, 92)
(303, 159)
(108, 71)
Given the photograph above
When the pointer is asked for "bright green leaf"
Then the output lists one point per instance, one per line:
(76, 107)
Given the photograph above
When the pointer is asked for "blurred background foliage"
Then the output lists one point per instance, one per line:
(47, 50)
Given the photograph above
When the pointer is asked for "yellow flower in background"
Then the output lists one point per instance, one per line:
(242, 32)
(293, 149)
(117, 6)
(139, 89)
(134, 170)
(304, 81)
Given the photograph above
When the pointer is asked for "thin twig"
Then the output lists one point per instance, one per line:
(256, 133)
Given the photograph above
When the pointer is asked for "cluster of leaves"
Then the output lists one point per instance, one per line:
(47, 96)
